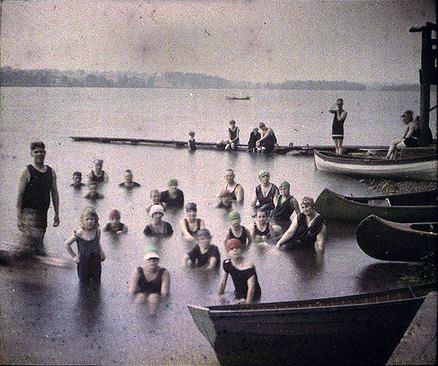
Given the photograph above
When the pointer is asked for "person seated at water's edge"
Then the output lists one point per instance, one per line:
(242, 272)
(90, 253)
(338, 124)
(97, 174)
(191, 142)
(238, 231)
(173, 197)
(115, 226)
(128, 181)
(158, 227)
(307, 229)
(411, 136)
(204, 254)
(92, 193)
(285, 207)
(155, 198)
(150, 282)
(268, 141)
(77, 180)
(254, 136)
(262, 230)
(190, 225)
(233, 136)
(236, 191)
(265, 194)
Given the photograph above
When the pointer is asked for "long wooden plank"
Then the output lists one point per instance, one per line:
(418, 345)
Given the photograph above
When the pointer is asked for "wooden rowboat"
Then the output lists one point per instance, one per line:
(417, 168)
(239, 98)
(348, 330)
(393, 241)
(406, 207)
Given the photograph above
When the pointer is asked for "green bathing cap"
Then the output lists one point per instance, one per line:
(285, 185)
(172, 182)
(233, 215)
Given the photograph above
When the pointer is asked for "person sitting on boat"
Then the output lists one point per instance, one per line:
(233, 136)
(92, 193)
(237, 230)
(173, 197)
(77, 180)
(158, 227)
(224, 199)
(262, 230)
(285, 207)
(97, 174)
(191, 143)
(115, 225)
(128, 182)
(242, 272)
(268, 141)
(235, 189)
(155, 198)
(411, 137)
(254, 136)
(307, 229)
(150, 282)
(265, 194)
(203, 254)
(190, 225)
(338, 124)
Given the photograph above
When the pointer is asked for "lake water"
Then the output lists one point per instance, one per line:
(46, 318)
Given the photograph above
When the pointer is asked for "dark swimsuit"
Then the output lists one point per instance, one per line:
(177, 202)
(198, 226)
(240, 279)
(114, 229)
(97, 179)
(201, 259)
(305, 236)
(233, 192)
(282, 212)
(243, 237)
(233, 134)
(89, 266)
(149, 287)
(149, 230)
(414, 139)
(269, 142)
(265, 232)
(337, 128)
(266, 202)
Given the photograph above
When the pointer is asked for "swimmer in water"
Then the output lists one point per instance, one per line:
(77, 180)
(115, 226)
(128, 181)
(92, 193)
(204, 254)
(262, 230)
(238, 231)
(158, 227)
(155, 198)
(173, 197)
(191, 224)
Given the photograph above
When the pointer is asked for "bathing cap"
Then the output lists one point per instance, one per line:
(233, 215)
(191, 206)
(156, 209)
(263, 173)
(284, 185)
(308, 200)
(232, 244)
(98, 161)
(172, 182)
(204, 232)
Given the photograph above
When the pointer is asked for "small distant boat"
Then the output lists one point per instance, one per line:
(406, 207)
(393, 241)
(238, 98)
(350, 330)
(417, 168)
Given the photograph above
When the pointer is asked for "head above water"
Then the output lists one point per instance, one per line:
(98, 162)
(233, 244)
(155, 195)
(114, 214)
(37, 144)
(308, 201)
(156, 210)
(191, 206)
(263, 173)
(128, 175)
(234, 215)
(172, 183)
(204, 233)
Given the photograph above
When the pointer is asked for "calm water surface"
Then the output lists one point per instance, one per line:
(45, 316)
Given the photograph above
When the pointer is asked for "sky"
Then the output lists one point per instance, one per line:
(257, 41)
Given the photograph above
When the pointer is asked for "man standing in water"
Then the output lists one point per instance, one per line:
(36, 184)
(234, 189)
(338, 124)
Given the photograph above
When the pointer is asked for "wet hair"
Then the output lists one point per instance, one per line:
(114, 214)
(37, 144)
(408, 112)
(89, 211)
(340, 100)
(191, 206)
(77, 174)
(151, 193)
(128, 171)
(262, 125)
(308, 200)
(192, 133)
(233, 122)
(262, 209)
(98, 162)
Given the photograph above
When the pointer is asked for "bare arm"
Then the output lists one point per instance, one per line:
(269, 132)
(133, 283)
(68, 243)
(341, 116)
(239, 194)
(275, 198)
(249, 236)
(165, 284)
(125, 229)
(102, 253)
(254, 199)
(202, 224)
(295, 205)
(251, 289)
(212, 262)
(186, 261)
(223, 284)
(409, 131)
(55, 199)
(334, 108)
(289, 232)
(186, 235)
(24, 178)
(320, 240)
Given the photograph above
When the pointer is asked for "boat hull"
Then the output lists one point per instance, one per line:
(349, 334)
(411, 207)
(425, 168)
(386, 240)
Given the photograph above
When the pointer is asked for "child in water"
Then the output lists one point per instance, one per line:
(262, 230)
(191, 143)
(92, 193)
(115, 226)
(77, 180)
(243, 274)
(90, 253)
(204, 254)
(155, 198)
(191, 224)
(238, 231)
(150, 283)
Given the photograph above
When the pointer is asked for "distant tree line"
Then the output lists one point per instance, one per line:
(80, 78)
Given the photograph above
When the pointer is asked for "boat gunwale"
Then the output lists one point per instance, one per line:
(403, 226)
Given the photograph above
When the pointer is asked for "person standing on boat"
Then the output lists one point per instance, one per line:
(268, 141)
(37, 184)
(265, 194)
(235, 189)
(242, 272)
(128, 181)
(285, 207)
(233, 136)
(307, 229)
(338, 124)
(173, 197)
(410, 138)
(97, 174)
